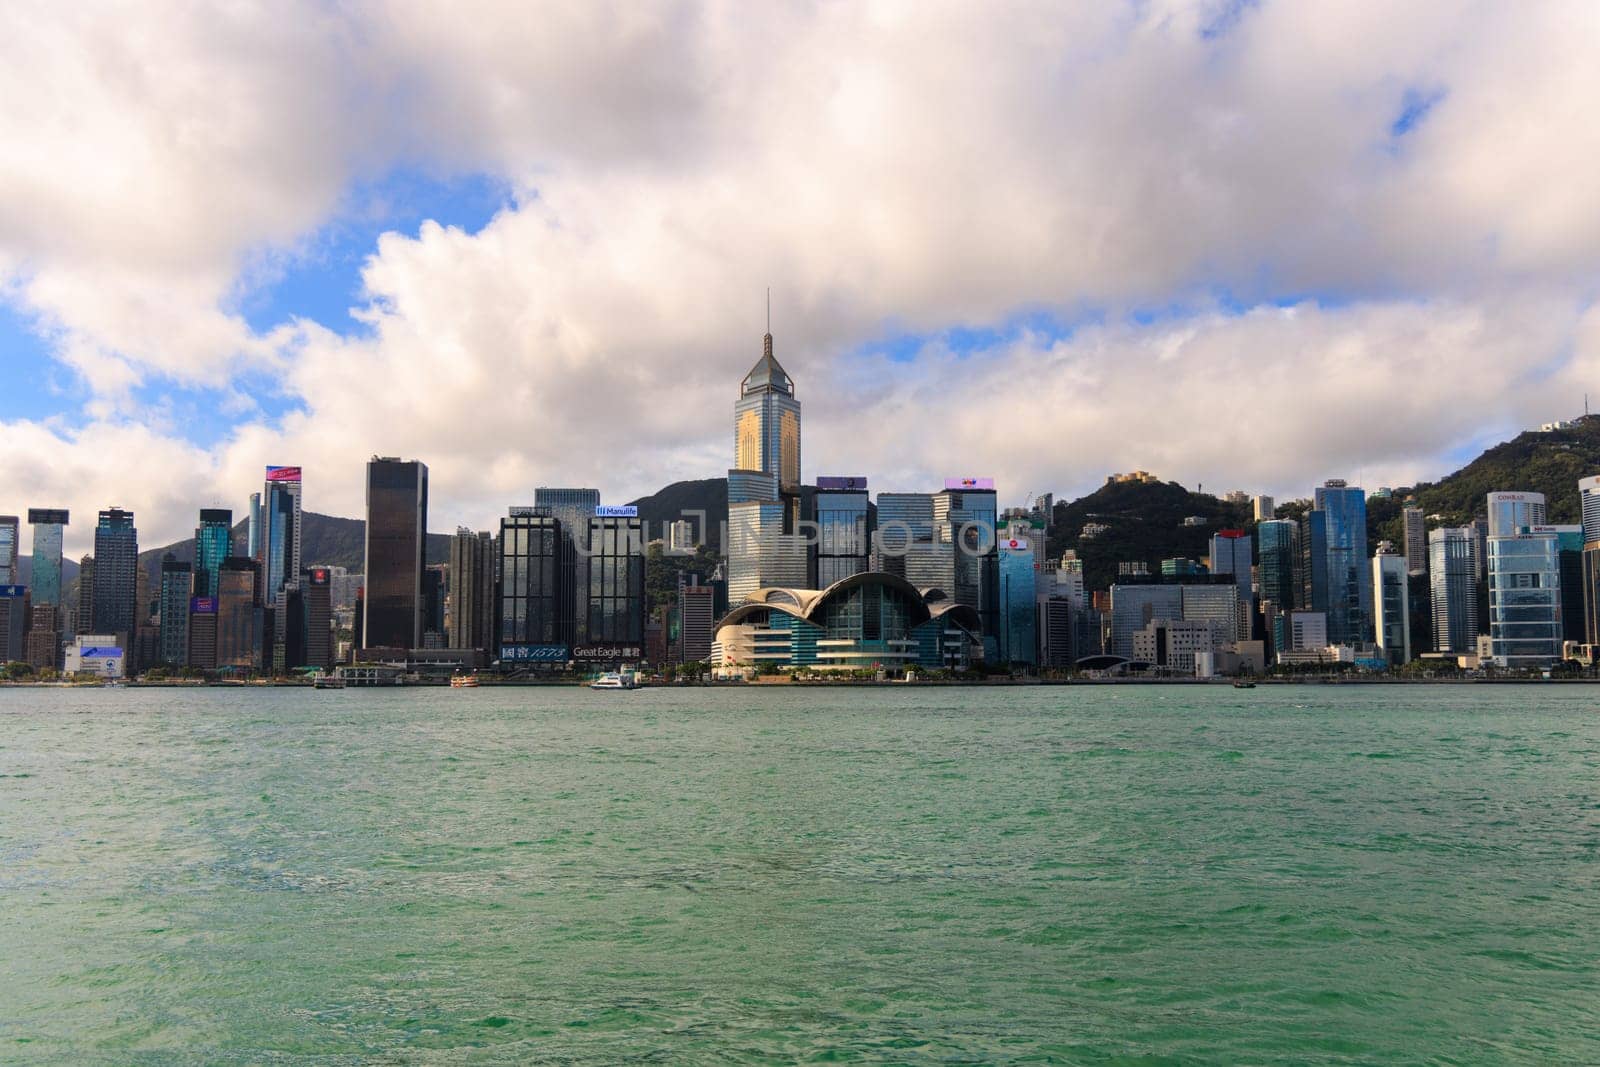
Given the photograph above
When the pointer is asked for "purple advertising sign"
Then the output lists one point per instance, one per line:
(969, 483)
(202, 605)
(842, 482)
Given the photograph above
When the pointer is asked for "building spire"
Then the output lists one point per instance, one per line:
(766, 340)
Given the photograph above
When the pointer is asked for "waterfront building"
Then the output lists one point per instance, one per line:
(1231, 553)
(1569, 559)
(239, 618)
(964, 517)
(177, 581)
(1416, 540)
(44, 636)
(1311, 562)
(1280, 541)
(1172, 646)
(904, 543)
(13, 623)
(844, 534)
(1349, 590)
(213, 543)
(1524, 582)
(116, 556)
(1133, 607)
(10, 539)
(536, 623)
(280, 538)
(1018, 642)
(1308, 631)
(96, 654)
(45, 579)
(1391, 604)
(314, 629)
(869, 621)
(396, 536)
(572, 507)
(84, 624)
(472, 566)
(1216, 603)
(696, 620)
(203, 631)
(762, 550)
(1591, 592)
(615, 608)
(1262, 508)
(1453, 588)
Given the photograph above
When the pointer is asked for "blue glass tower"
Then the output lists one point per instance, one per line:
(213, 543)
(1349, 590)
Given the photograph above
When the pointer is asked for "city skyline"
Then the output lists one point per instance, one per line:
(1119, 230)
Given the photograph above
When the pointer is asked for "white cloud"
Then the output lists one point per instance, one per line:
(884, 167)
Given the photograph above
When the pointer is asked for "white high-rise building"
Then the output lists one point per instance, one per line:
(1453, 588)
(1262, 508)
(1391, 604)
(1589, 492)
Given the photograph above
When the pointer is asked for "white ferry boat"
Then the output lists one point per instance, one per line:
(463, 681)
(616, 680)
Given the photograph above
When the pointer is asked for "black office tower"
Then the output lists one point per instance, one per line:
(116, 565)
(397, 523)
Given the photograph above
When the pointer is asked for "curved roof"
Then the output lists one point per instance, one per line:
(806, 603)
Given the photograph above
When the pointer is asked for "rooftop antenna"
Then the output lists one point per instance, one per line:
(769, 322)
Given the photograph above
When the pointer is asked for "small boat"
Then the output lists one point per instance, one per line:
(1242, 684)
(327, 681)
(463, 681)
(616, 680)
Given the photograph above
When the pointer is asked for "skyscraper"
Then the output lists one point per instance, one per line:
(471, 589)
(1416, 540)
(1453, 588)
(46, 578)
(1589, 495)
(616, 580)
(176, 581)
(253, 530)
(1390, 603)
(964, 517)
(85, 622)
(1018, 629)
(397, 524)
(572, 508)
(1262, 508)
(1524, 582)
(213, 543)
(536, 624)
(843, 535)
(116, 565)
(766, 422)
(764, 546)
(316, 621)
(1349, 597)
(238, 619)
(10, 538)
(281, 533)
(1279, 544)
(1231, 552)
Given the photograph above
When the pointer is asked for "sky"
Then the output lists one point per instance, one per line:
(1242, 245)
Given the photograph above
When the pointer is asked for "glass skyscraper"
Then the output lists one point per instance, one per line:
(177, 578)
(1524, 582)
(281, 535)
(47, 524)
(10, 539)
(1018, 609)
(1349, 589)
(397, 526)
(116, 565)
(1279, 539)
(1453, 588)
(844, 537)
(535, 601)
(764, 547)
(766, 422)
(572, 508)
(616, 581)
(213, 543)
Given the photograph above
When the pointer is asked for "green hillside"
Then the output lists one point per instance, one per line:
(1145, 521)
(679, 500)
(325, 540)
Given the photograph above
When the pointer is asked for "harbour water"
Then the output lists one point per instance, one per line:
(1384, 874)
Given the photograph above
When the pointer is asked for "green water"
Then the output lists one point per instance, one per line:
(1084, 875)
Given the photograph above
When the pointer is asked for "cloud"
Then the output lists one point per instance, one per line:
(1153, 178)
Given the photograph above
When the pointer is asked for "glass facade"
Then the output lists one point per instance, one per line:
(281, 536)
(535, 559)
(1525, 600)
(47, 524)
(10, 537)
(1349, 588)
(176, 581)
(965, 520)
(766, 422)
(116, 565)
(1453, 588)
(1018, 610)
(843, 535)
(1392, 624)
(397, 523)
(572, 508)
(1512, 513)
(1280, 539)
(213, 543)
(1591, 592)
(616, 581)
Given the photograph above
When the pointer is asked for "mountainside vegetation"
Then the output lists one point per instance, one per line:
(680, 500)
(325, 541)
(1145, 524)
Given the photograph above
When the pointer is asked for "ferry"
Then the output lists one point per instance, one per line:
(1242, 684)
(616, 680)
(327, 681)
(463, 681)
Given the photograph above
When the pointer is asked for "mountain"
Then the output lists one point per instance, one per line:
(69, 570)
(325, 540)
(1145, 525)
(680, 500)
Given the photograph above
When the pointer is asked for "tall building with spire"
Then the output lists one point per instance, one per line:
(764, 485)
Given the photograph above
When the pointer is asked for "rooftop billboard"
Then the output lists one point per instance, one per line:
(616, 511)
(283, 474)
(969, 483)
(842, 482)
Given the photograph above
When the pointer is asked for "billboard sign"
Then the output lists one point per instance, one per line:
(13, 591)
(607, 653)
(202, 605)
(616, 511)
(969, 483)
(319, 576)
(533, 654)
(47, 516)
(283, 474)
(842, 482)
